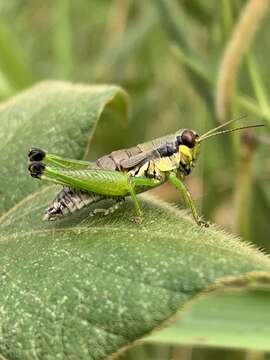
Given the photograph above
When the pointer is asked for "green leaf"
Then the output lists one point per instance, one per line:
(57, 116)
(88, 287)
(232, 317)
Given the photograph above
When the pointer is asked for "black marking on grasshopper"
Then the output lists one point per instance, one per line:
(36, 169)
(168, 149)
(185, 169)
(36, 154)
(165, 150)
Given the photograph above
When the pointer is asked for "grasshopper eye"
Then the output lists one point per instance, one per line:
(188, 138)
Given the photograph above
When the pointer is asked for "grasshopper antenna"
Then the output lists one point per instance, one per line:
(222, 126)
(208, 135)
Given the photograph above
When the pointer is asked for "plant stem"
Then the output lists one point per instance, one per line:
(242, 35)
(243, 188)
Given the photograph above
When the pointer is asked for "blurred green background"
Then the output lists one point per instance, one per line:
(167, 55)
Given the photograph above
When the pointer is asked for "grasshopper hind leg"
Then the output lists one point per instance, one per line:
(88, 186)
(70, 198)
(37, 155)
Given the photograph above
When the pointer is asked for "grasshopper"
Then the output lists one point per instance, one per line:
(123, 173)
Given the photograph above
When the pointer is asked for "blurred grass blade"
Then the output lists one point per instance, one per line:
(62, 38)
(227, 18)
(12, 59)
(258, 86)
(167, 16)
(131, 40)
(197, 11)
(117, 22)
(249, 104)
(200, 79)
(244, 31)
(195, 70)
(228, 318)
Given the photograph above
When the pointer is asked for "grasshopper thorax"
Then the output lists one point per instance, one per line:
(189, 149)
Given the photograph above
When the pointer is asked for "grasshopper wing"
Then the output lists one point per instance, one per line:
(137, 159)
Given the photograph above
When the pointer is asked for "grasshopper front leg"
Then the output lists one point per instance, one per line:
(178, 184)
(138, 217)
(102, 182)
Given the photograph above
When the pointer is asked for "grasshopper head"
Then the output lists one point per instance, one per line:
(189, 142)
(189, 149)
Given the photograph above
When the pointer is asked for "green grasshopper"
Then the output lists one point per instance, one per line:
(123, 173)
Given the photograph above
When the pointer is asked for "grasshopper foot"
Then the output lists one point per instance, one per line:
(36, 169)
(203, 223)
(36, 154)
(137, 220)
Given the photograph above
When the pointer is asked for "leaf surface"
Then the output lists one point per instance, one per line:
(89, 286)
(232, 317)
